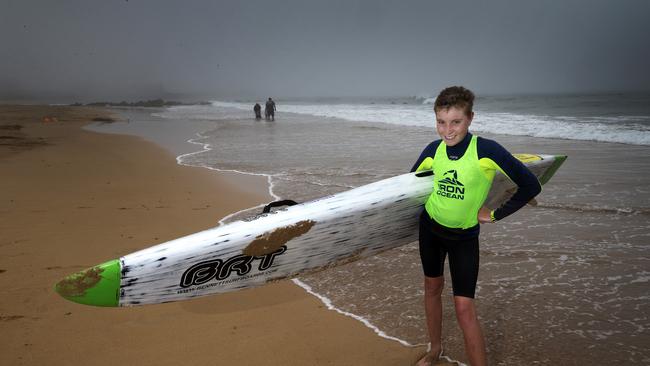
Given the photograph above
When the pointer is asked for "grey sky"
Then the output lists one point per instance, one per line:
(89, 49)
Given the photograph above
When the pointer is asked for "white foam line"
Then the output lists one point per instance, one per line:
(368, 324)
(327, 302)
(365, 321)
(206, 147)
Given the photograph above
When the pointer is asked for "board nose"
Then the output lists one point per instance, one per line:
(98, 285)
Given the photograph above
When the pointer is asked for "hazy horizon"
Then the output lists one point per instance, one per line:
(87, 51)
(191, 99)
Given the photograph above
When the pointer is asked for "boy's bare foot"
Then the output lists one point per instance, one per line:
(430, 358)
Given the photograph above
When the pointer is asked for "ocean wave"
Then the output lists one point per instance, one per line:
(623, 129)
(203, 113)
(626, 129)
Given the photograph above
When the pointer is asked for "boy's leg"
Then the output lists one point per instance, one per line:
(433, 310)
(464, 268)
(432, 255)
(468, 321)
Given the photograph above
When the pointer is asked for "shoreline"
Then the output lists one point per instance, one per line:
(204, 147)
(78, 197)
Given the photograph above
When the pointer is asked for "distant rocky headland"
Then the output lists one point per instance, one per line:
(141, 103)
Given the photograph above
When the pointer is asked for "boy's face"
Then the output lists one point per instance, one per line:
(452, 124)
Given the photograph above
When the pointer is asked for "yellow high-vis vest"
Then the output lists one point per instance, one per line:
(460, 188)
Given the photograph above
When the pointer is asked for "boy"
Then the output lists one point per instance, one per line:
(464, 166)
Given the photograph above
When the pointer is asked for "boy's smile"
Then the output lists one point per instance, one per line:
(452, 125)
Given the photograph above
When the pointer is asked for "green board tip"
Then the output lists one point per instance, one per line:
(98, 286)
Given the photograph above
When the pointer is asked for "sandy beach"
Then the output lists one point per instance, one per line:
(71, 198)
(561, 283)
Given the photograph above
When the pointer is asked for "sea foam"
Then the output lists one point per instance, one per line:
(633, 130)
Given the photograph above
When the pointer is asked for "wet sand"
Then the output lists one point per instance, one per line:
(71, 198)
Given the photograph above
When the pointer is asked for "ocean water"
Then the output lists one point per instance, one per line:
(565, 282)
(607, 118)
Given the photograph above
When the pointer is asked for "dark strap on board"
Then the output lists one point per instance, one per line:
(268, 207)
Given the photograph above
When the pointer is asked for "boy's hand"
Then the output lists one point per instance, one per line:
(484, 216)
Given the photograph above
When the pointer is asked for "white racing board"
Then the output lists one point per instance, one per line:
(302, 238)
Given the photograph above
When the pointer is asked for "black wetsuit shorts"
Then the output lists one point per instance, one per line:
(436, 242)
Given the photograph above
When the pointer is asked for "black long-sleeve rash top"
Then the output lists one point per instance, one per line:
(493, 155)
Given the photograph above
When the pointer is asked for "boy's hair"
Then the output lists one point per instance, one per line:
(455, 96)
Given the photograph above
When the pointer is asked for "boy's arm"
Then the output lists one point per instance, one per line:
(490, 152)
(425, 161)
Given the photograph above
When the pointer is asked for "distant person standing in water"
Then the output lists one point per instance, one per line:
(258, 111)
(269, 110)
